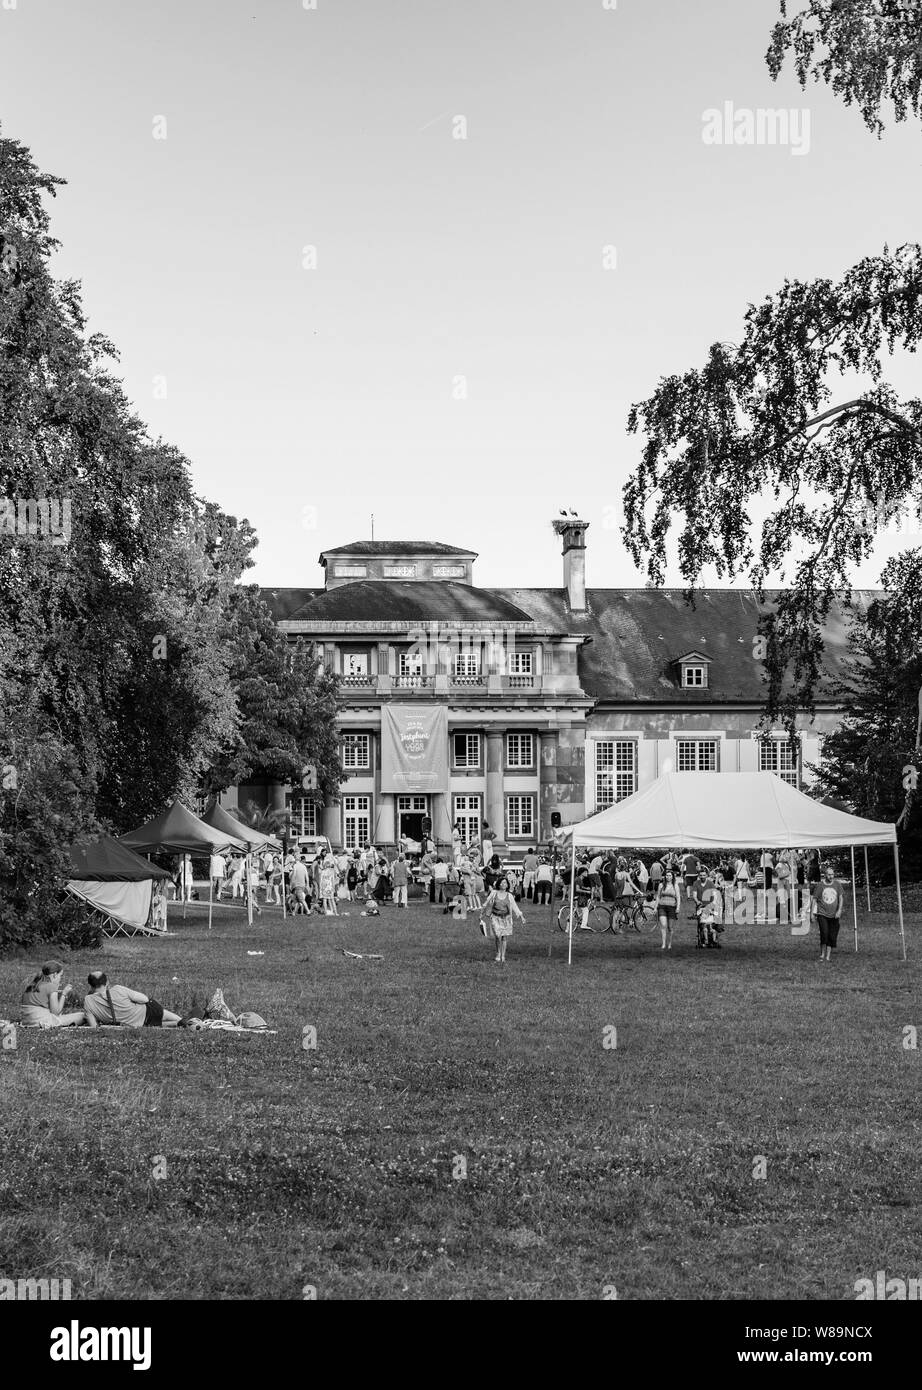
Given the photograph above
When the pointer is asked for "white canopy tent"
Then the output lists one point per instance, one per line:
(728, 810)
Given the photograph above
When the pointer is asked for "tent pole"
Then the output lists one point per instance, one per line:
(899, 894)
(249, 871)
(210, 894)
(572, 900)
(854, 895)
(867, 877)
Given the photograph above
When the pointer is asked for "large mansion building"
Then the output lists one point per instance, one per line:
(565, 699)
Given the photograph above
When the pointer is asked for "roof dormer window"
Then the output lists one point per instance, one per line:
(693, 670)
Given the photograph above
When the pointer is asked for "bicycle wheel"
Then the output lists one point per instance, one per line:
(600, 919)
(563, 917)
(644, 918)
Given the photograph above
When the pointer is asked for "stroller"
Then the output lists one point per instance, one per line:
(709, 926)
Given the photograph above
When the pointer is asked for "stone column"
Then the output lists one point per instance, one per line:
(332, 825)
(384, 818)
(571, 774)
(495, 810)
(550, 747)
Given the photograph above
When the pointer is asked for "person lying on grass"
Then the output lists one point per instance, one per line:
(117, 1004)
(42, 1003)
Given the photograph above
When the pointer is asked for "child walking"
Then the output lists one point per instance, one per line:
(328, 878)
(501, 907)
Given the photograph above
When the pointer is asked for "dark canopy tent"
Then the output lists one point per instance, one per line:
(119, 885)
(177, 831)
(106, 859)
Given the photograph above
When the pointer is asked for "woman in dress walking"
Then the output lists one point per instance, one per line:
(501, 907)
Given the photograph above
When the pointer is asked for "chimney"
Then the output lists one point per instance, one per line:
(573, 532)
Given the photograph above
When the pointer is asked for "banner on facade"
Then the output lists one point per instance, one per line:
(414, 748)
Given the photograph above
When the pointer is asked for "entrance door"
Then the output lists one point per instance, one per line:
(410, 813)
(467, 813)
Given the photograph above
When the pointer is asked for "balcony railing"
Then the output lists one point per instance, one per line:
(466, 679)
(412, 682)
(358, 680)
(521, 682)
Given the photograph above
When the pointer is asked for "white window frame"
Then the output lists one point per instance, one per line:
(692, 669)
(364, 657)
(351, 755)
(410, 663)
(623, 778)
(467, 807)
(520, 663)
(305, 816)
(699, 742)
(516, 763)
(777, 744)
(466, 664)
(356, 811)
(520, 798)
(468, 764)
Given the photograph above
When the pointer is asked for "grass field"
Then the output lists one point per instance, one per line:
(461, 1130)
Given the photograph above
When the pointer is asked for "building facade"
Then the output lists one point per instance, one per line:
(564, 699)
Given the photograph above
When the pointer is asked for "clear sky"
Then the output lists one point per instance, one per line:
(309, 398)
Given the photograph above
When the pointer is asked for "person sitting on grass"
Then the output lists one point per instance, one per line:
(127, 1008)
(42, 1003)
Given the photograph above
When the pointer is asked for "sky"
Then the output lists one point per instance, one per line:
(416, 259)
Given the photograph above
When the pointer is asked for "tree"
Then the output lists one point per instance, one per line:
(763, 419)
(286, 701)
(868, 51)
(863, 760)
(760, 418)
(120, 604)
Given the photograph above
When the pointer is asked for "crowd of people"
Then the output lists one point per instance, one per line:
(467, 877)
(676, 887)
(800, 886)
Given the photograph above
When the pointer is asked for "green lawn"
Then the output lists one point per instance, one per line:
(586, 1166)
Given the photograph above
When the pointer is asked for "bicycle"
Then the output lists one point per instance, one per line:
(635, 914)
(589, 914)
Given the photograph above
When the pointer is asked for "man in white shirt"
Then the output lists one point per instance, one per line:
(216, 871)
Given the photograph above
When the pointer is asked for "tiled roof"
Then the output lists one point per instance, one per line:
(283, 602)
(637, 635)
(414, 600)
(396, 548)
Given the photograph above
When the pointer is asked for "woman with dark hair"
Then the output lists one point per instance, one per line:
(668, 897)
(501, 907)
(492, 872)
(42, 1003)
